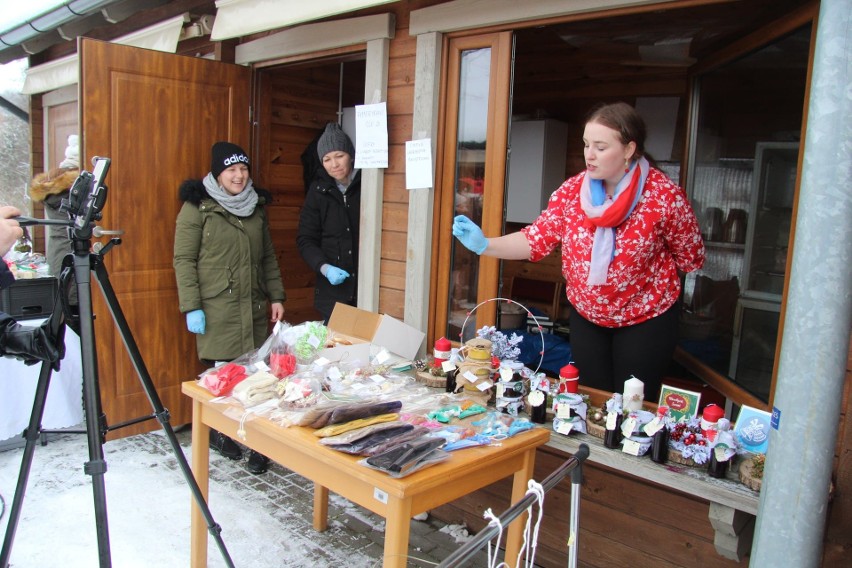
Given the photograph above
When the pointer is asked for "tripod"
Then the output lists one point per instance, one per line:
(85, 263)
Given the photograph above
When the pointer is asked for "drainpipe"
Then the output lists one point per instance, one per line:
(794, 498)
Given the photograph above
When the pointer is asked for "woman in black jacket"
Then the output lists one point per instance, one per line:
(328, 225)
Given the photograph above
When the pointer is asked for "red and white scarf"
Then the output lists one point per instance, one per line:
(605, 215)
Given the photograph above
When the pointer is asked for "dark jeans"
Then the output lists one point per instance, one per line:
(606, 357)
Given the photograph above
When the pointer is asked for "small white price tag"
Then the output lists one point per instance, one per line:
(505, 374)
(720, 453)
(536, 398)
(653, 426)
(498, 390)
(631, 447)
(564, 427)
(610, 420)
(378, 379)
(628, 426)
(313, 341)
(448, 366)
(321, 362)
(382, 356)
(334, 373)
(563, 411)
(485, 385)
(470, 377)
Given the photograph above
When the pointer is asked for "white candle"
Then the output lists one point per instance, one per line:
(634, 394)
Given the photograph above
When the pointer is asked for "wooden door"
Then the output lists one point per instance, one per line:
(471, 179)
(155, 115)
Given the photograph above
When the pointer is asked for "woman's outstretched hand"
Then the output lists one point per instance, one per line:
(469, 234)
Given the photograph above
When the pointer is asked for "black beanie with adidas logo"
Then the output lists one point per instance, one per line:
(224, 155)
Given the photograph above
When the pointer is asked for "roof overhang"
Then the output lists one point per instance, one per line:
(65, 71)
(236, 18)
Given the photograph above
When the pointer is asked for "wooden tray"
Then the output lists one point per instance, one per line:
(431, 380)
(747, 478)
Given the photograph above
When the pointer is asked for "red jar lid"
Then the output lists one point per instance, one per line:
(569, 371)
(712, 413)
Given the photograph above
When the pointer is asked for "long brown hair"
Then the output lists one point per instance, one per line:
(624, 119)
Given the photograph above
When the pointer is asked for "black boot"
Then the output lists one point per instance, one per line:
(257, 463)
(224, 445)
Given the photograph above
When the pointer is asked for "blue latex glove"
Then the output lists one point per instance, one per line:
(469, 234)
(195, 321)
(336, 275)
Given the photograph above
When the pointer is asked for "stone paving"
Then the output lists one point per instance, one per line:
(279, 502)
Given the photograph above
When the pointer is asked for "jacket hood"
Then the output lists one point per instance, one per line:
(193, 191)
(323, 182)
(52, 182)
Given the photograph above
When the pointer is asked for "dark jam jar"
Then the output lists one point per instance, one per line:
(612, 438)
(660, 445)
(717, 468)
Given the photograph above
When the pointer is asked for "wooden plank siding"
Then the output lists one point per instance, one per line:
(623, 521)
(400, 99)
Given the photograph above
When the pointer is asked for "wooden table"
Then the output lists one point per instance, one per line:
(397, 500)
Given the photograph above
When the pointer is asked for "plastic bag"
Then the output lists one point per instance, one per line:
(222, 379)
(281, 360)
(307, 340)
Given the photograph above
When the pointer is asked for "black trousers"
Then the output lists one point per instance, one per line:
(606, 357)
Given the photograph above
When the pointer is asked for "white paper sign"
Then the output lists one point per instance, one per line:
(418, 164)
(371, 144)
(447, 366)
(564, 428)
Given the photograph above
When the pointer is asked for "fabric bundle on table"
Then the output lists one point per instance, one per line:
(256, 388)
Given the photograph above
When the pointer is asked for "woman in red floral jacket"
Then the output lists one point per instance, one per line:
(625, 230)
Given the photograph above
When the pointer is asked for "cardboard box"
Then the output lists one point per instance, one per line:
(369, 333)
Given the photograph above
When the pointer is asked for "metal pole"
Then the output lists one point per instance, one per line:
(574, 522)
(792, 510)
(572, 465)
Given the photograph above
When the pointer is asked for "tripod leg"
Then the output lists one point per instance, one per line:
(156, 404)
(31, 434)
(95, 430)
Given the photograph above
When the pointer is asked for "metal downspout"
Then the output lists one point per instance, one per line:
(794, 498)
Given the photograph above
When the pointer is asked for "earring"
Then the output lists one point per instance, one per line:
(626, 165)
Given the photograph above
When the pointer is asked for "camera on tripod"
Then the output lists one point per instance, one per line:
(86, 199)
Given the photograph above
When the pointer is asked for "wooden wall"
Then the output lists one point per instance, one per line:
(400, 97)
(623, 522)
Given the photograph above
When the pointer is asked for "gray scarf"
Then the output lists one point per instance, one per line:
(241, 205)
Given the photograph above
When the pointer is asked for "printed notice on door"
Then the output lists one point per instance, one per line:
(418, 164)
(371, 145)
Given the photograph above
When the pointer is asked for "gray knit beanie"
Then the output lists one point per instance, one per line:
(334, 139)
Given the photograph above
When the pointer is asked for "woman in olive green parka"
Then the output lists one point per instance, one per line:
(224, 260)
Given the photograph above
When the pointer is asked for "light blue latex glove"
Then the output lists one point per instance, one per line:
(195, 321)
(336, 275)
(467, 232)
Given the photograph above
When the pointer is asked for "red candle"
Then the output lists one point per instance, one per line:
(569, 379)
(709, 418)
(442, 351)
